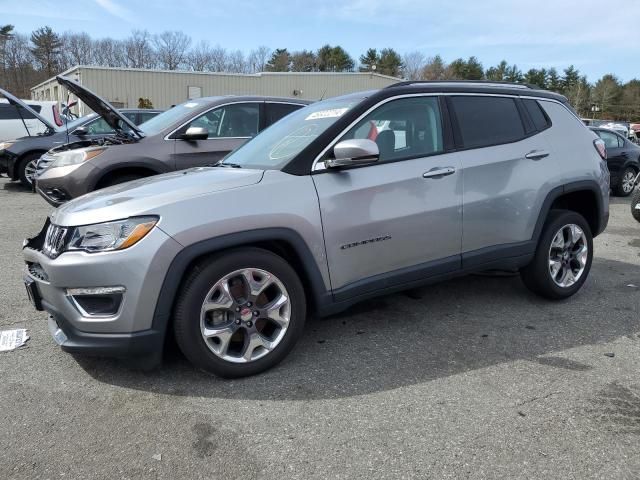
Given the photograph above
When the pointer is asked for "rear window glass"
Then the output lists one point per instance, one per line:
(10, 112)
(275, 111)
(540, 120)
(486, 121)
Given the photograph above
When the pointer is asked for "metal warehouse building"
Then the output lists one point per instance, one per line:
(123, 87)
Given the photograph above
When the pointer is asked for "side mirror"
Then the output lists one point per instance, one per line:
(195, 133)
(354, 152)
(80, 131)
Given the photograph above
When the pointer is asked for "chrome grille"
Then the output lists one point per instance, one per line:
(54, 241)
(43, 163)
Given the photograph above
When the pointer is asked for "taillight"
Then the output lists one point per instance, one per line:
(600, 147)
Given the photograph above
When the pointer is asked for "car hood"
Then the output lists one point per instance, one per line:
(16, 101)
(99, 105)
(147, 195)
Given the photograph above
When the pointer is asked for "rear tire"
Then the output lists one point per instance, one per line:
(27, 169)
(560, 266)
(624, 186)
(224, 326)
(635, 204)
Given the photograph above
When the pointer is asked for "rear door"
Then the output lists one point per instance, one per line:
(393, 221)
(274, 111)
(506, 163)
(229, 126)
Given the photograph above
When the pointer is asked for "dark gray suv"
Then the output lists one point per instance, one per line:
(196, 133)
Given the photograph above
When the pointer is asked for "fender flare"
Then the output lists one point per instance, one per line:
(584, 185)
(175, 273)
(148, 164)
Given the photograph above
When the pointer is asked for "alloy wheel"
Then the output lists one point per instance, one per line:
(628, 181)
(568, 255)
(245, 315)
(30, 171)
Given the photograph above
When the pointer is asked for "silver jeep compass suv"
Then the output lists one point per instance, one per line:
(346, 199)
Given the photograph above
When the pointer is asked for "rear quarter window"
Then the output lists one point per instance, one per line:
(486, 121)
(538, 117)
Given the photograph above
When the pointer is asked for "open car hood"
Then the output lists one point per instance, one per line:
(99, 105)
(19, 103)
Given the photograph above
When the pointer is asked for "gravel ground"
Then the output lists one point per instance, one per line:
(472, 378)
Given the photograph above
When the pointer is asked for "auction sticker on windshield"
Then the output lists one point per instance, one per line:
(331, 113)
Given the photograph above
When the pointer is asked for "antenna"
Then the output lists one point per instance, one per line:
(323, 94)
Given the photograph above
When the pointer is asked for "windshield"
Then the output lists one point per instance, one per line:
(275, 146)
(77, 122)
(163, 120)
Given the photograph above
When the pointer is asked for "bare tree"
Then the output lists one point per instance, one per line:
(139, 51)
(19, 63)
(236, 62)
(414, 63)
(171, 48)
(218, 61)
(258, 58)
(77, 49)
(108, 52)
(199, 58)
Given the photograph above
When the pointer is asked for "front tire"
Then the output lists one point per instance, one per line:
(563, 256)
(239, 312)
(635, 204)
(625, 184)
(27, 169)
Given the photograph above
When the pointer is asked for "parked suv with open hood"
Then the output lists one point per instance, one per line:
(195, 133)
(346, 199)
(19, 157)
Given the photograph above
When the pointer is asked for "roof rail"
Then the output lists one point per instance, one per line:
(481, 83)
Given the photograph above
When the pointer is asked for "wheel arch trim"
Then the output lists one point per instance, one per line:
(581, 186)
(181, 262)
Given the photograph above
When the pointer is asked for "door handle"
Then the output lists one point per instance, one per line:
(439, 172)
(536, 155)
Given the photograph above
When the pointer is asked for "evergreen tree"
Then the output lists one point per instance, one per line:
(46, 49)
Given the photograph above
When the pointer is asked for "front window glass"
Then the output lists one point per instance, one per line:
(167, 118)
(275, 146)
(404, 128)
(229, 121)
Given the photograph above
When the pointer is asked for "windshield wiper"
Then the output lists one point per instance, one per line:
(228, 164)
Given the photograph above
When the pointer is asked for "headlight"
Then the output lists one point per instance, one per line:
(74, 157)
(5, 145)
(104, 237)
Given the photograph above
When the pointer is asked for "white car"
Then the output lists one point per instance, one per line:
(14, 119)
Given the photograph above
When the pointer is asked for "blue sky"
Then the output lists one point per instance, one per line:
(593, 35)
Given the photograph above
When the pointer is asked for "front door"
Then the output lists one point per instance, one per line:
(397, 220)
(229, 126)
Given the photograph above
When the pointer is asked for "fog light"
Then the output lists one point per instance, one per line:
(97, 301)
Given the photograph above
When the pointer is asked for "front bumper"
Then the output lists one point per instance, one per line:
(7, 163)
(122, 345)
(58, 185)
(139, 270)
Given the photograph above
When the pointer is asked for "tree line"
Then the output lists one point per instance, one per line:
(26, 60)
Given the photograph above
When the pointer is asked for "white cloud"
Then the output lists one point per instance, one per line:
(116, 10)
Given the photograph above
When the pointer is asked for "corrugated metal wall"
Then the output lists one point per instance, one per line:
(124, 87)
